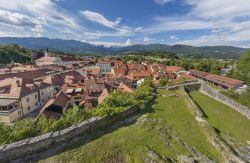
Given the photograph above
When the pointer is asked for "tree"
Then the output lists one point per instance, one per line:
(242, 70)
(163, 82)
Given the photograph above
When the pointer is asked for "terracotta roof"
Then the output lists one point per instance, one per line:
(19, 87)
(230, 82)
(61, 100)
(104, 94)
(218, 79)
(65, 58)
(198, 73)
(55, 80)
(137, 75)
(174, 68)
(125, 88)
(48, 59)
(29, 74)
(119, 72)
(104, 62)
(93, 70)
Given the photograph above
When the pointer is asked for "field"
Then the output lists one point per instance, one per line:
(224, 119)
(166, 131)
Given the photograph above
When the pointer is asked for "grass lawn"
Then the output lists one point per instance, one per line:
(224, 118)
(132, 142)
(126, 144)
(174, 110)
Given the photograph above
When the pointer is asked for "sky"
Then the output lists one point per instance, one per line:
(127, 22)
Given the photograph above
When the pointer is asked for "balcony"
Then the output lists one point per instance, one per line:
(8, 106)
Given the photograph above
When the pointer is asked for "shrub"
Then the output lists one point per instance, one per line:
(23, 129)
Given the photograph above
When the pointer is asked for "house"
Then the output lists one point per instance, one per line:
(125, 88)
(23, 67)
(76, 92)
(104, 94)
(224, 82)
(31, 75)
(118, 72)
(105, 66)
(174, 69)
(137, 75)
(56, 81)
(219, 80)
(63, 61)
(56, 106)
(90, 71)
(198, 74)
(20, 97)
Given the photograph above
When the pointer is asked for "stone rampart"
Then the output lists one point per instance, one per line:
(44, 142)
(215, 94)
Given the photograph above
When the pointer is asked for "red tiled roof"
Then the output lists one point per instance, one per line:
(125, 88)
(119, 72)
(174, 68)
(29, 74)
(226, 80)
(137, 75)
(198, 73)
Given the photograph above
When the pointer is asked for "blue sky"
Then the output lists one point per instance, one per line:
(126, 22)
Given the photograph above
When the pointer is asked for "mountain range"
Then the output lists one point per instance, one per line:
(74, 46)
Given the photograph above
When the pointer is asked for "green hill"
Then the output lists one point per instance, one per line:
(14, 53)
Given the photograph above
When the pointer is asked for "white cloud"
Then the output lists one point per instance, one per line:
(128, 42)
(109, 44)
(162, 2)
(147, 40)
(106, 44)
(227, 20)
(100, 19)
(214, 9)
(174, 38)
(119, 30)
(14, 18)
(43, 16)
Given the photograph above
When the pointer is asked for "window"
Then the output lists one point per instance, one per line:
(29, 108)
(35, 95)
(36, 103)
(27, 99)
(41, 93)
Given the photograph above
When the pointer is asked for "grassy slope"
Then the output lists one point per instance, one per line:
(174, 110)
(131, 142)
(224, 118)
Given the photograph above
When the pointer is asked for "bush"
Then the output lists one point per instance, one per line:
(108, 111)
(23, 129)
(163, 82)
(242, 97)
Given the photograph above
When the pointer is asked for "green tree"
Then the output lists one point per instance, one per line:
(163, 82)
(242, 70)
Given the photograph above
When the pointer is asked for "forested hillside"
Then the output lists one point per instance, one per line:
(14, 53)
(73, 46)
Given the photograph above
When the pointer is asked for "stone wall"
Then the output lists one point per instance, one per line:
(224, 99)
(43, 142)
(192, 85)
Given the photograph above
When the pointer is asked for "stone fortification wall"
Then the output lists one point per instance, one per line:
(43, 142)
(215, 94)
